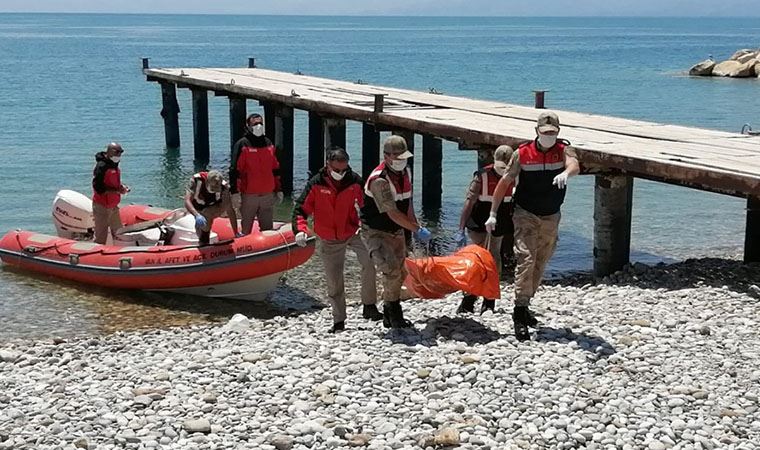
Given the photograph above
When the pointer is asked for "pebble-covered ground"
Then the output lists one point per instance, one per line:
(660, 357)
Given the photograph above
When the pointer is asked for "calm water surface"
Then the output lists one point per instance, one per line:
(71, 83)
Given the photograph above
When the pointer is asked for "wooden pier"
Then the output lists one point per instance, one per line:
(615, 150)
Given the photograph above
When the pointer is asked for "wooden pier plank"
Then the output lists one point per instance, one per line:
(706, 159)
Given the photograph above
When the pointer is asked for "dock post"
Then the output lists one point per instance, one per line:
(283, 124)
(316, 143)
(540, 97)
(613, 199)
(146, 63)
(200, 125)
(335, 133)
(237, 119)
(370, 149)
(752, 232)
(170, 113)
(409, 138)
(432, 172)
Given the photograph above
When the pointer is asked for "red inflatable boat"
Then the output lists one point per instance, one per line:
(155, 251)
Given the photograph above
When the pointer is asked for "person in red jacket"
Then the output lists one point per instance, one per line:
(332, 197)
(255, 173)
(107, 191)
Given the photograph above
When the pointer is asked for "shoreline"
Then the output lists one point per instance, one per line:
(661, 357)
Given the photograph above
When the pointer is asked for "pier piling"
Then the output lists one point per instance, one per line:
(752, 232)
(335, 133)
(432, 172)
(200, 125)
(370, 149)
(283, 125)
(237, 119)
(316, 143)
(613, 199)
(170, 113)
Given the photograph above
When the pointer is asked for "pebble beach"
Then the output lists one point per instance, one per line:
(649, 358)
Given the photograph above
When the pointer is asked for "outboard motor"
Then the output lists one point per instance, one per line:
(72, 215)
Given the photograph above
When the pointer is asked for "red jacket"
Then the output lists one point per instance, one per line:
(106, 182)
(258, 170)
(332, 204)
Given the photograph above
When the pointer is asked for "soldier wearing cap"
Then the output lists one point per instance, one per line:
(388, 211)
(476, 211)
(207, 198)
(332, 198)
(544, 166)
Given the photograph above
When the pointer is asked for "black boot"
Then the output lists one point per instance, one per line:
(370, 312)
(531, 321)
(204, 237)
(337, 327)
(488, 305)
(467, 305)
(393, 316)
(521, 317)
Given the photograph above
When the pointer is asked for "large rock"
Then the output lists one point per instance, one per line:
(733, 69)
(742, 53)
(747, 57)
(703, 69)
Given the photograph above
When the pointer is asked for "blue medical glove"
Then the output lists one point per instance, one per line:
(200, 221)
(423, 235)
(460, 238)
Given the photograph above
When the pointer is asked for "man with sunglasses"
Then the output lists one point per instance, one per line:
(388, 211)
(107, 191)
(333, 197)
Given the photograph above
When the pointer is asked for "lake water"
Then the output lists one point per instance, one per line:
(72, 83)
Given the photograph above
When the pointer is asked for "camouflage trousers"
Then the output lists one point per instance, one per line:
(535, 241)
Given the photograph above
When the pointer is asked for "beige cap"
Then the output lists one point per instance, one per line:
(396, 146)
(547, 121)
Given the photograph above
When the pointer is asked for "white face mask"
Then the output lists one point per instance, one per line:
(500, 168)
(398, 164)
(258, 130)
(337, 176)
(547, 140)
(116, 159)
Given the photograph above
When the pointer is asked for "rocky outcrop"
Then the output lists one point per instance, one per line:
(743, 63)
(734, 69)
(702, 69)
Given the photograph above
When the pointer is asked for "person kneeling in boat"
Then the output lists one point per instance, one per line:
(107, 192)
(207, 198)
(332, 197)
(475, 213)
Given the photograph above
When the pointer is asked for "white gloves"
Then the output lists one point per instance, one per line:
(491, 222)
(561, 180)
(280, 197)
(301, 239)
